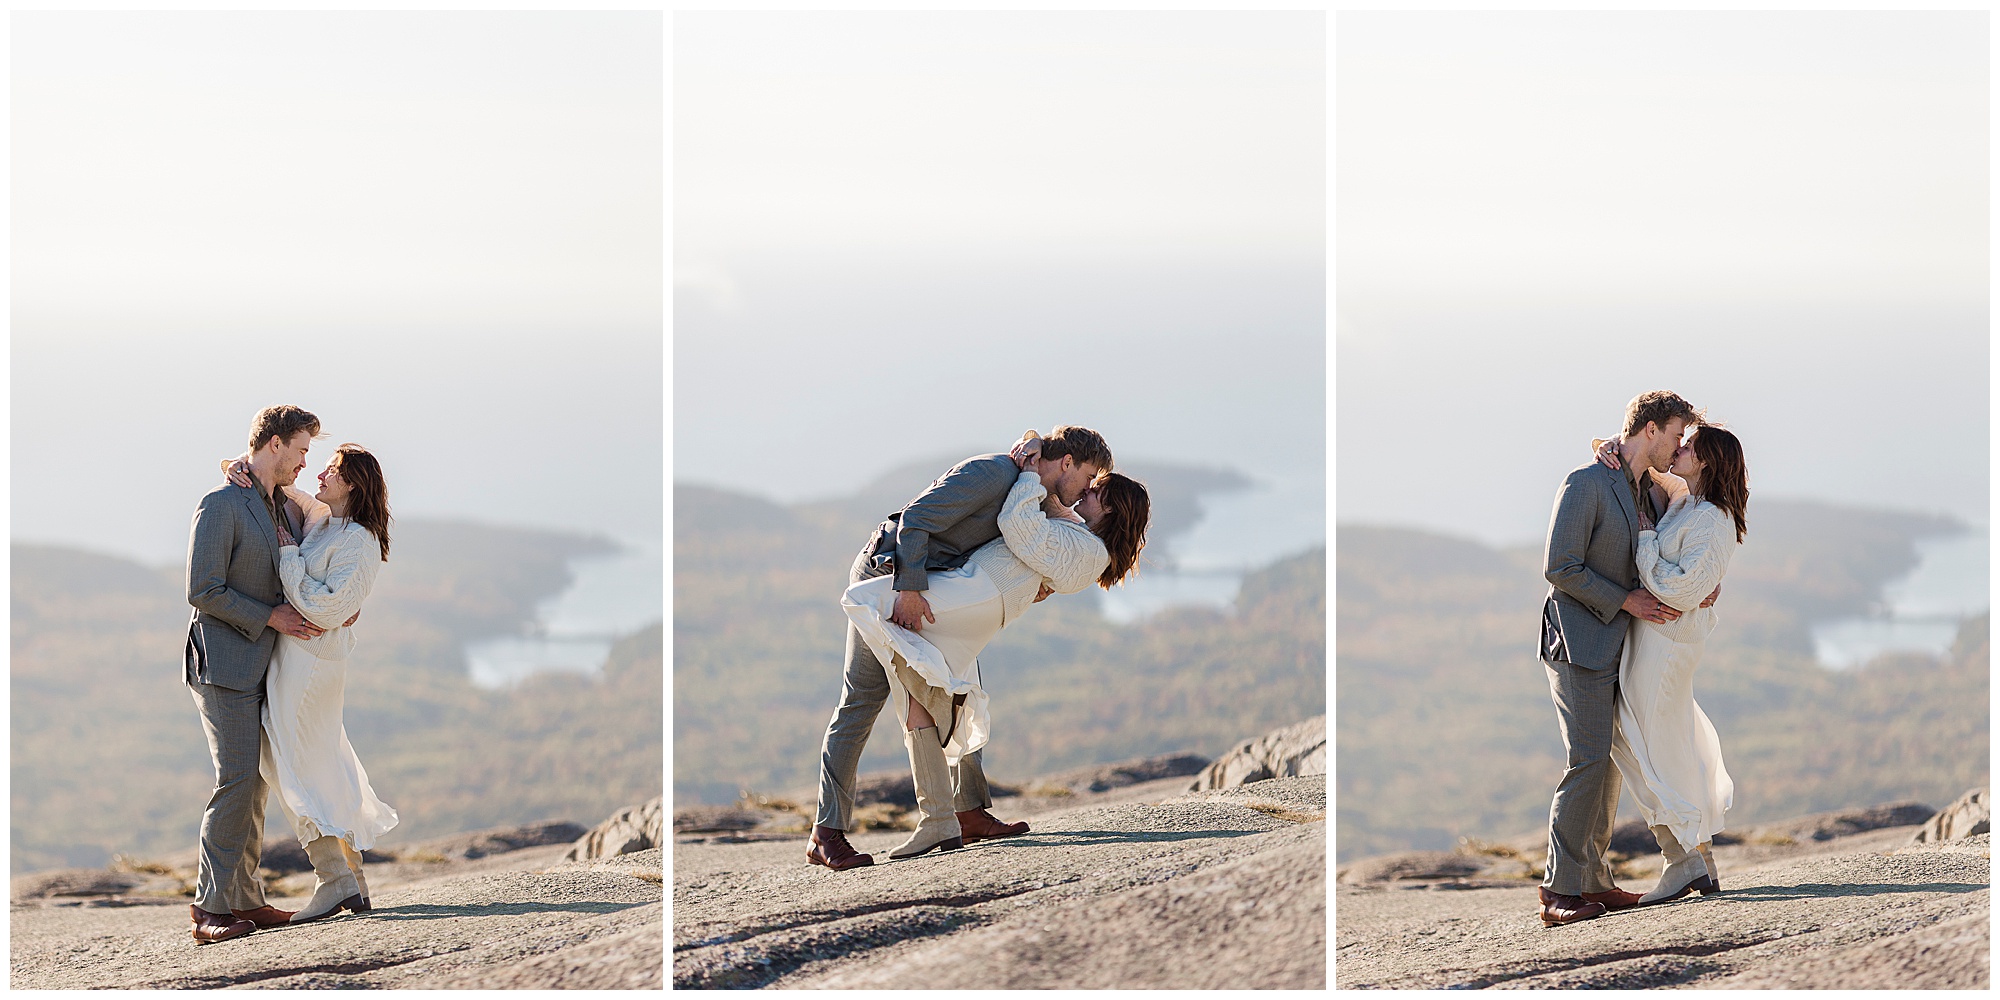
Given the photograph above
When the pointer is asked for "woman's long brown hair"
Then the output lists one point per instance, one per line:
(1725, 480)
(368, 501)
(1127, 509)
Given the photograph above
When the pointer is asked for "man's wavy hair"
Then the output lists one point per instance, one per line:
(1080, 443)
(1658, 407)
(281, 422)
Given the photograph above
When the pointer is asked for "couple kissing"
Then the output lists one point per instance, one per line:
(1638, 544)
(934, 584)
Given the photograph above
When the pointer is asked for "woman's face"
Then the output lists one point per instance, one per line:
(332, 488)
(1685, 464)
(1091, 507)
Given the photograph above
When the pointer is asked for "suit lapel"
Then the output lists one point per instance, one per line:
(260, 512)
(1624, 492)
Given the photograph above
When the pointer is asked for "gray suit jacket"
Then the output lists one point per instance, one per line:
(232, 581)
(1589, 566)
(940, 528)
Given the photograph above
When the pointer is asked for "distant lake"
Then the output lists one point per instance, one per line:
(1149, 593)
(612, 597)
(1280, 515)
(1924, 608)
(1238, 532)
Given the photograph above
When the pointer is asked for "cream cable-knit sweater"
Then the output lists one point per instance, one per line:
(328, 574)
(1682, 559)
(1034, 546)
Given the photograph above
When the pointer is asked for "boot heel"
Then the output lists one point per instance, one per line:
(1709, 888)
(951, 845)
(353, 904)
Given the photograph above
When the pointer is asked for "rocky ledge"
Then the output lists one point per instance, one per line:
(1143, 885)
(497, 909)
(1844, 900)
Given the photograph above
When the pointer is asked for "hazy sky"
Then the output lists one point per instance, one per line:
(442, 232)
(1780, 215)
(1029, 135)
(902, 234)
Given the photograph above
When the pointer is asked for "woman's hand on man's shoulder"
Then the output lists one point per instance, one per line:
(1026, 450)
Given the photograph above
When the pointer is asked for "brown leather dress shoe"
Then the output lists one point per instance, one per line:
(829, 847)
(1613, 899)
(264, 916)
(978, 824)
(212, 927)
(1558, 909)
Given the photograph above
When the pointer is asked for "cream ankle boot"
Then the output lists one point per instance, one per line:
(337, 887)
(360, 880)
(1685, 871)
(938, 825)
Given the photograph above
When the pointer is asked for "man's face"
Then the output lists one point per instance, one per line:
(1071, 480)
(1661, 454)
(292, 458)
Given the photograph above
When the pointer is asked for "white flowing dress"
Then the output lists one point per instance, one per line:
(1664, 745)
(321, 785)
(971, 604)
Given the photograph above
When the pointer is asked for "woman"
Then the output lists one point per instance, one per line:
(1664, 746)
(934, 675)
(326, 574)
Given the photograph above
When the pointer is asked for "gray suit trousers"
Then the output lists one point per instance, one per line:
(864, 690)
(1586, 803)
(232, 827)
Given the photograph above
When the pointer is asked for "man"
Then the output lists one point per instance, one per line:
(936, 531)
(239, 609)
(1594, 595)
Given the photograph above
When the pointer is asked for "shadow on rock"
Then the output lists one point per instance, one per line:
(427, 911)
(1074, 837)
(1814, 890)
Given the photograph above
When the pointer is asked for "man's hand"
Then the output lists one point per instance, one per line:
(1642, 604)
(1026, 450)
(912, 610)
(1712, 595)
(1043, 594)
(356, 617)
(287, 619)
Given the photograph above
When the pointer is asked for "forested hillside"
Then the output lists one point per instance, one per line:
(107, 748)
(1444, 725)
